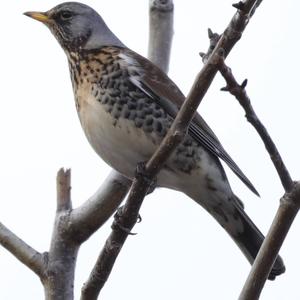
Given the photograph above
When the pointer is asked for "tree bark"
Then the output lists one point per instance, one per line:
(59, 279)
(31, 258)
(161, 15)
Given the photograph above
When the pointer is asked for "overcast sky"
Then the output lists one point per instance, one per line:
(180, 252)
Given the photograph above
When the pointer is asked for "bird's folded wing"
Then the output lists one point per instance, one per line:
(162, 89)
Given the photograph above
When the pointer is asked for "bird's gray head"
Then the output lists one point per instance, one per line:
(77, 26)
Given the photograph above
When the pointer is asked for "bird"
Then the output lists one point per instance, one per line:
(126, 105)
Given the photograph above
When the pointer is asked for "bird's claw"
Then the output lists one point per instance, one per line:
(117, 223)
(142, 172)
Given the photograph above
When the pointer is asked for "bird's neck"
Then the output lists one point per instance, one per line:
(101, 36)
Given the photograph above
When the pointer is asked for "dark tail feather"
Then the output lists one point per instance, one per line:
(250, 240)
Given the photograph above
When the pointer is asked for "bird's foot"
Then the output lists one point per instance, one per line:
(142, 172)
(117, 223)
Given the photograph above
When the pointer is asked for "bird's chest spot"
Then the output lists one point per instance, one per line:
(116, 139)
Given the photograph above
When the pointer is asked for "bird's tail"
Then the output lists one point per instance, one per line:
(233, 218)
(251, 239)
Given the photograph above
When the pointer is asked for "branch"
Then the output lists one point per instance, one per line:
(73, 227)
(92, 214)
(126, 219)
(34, 260)
(290, 203)
(161, 15)
(239, 91)
(288, 209)
(59, 279)
(63, 185)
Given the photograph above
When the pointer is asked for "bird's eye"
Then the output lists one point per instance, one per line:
(66, 15)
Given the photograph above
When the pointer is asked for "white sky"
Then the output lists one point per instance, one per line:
(180, 251)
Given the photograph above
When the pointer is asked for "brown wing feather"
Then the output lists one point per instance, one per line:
(156, 83)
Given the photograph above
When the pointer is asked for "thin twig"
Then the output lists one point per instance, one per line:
(289, 205)
(126, 219)
(239, 91)
(31, 258)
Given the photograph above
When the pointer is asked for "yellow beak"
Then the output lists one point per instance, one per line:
(39, 16)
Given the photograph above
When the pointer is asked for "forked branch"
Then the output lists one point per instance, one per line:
(290, 202)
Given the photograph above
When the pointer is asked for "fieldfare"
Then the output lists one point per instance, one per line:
(126, 105)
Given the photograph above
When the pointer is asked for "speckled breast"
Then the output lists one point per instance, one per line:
(122, 123)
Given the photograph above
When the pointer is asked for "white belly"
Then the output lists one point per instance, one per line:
(121, 145)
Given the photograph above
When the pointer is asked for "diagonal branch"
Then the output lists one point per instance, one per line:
(126, 219)
(229, 38)
(288, 209)
(34, 260)
(239, 91)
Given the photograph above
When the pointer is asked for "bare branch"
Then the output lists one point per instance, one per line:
(63, 183)
(161, 15)
(240, 93)
(290, 203)
(73, 227)
(23, 252)
(59, 279)
(288, 209)
(92, 214)
(126, 219)
(59, 276)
